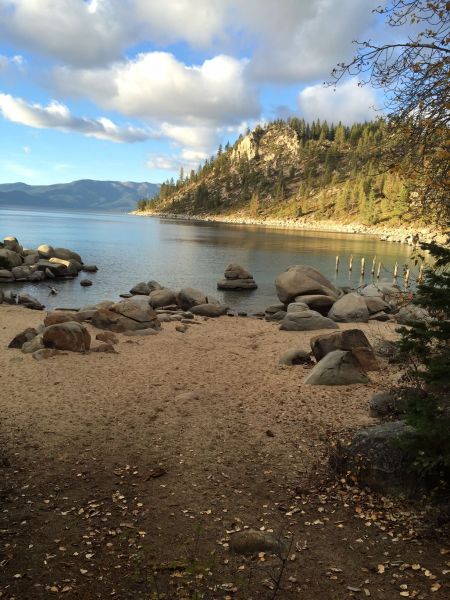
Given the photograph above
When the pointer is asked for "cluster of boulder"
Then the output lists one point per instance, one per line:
(309, 301)
(236, 278)
(171, 302)
(43, 263)
(25, 300)
(343, 358)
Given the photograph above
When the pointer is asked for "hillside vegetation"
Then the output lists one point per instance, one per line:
(292, 169)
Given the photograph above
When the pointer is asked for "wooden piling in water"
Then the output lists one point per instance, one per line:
(420, 275)
(373, 265)
(395, 270)
(337, 264)
(379, 270)
(350, 267)
(363, 265)
(407, 278)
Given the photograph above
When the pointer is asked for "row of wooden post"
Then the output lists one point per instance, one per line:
(378, 268)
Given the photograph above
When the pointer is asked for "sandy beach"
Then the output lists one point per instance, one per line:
(119, 468)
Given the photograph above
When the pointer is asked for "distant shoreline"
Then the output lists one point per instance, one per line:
(403, 235)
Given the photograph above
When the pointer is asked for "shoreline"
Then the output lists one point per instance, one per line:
(402, 235)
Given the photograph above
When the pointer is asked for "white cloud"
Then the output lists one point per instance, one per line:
(57, 116)
(11, 61)
(27, 149)
(348, 103)
(155, 85)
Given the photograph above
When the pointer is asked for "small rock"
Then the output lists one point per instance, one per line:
(181, 328)
(85, 282)
(21, 338)
(89, 268)
(107, 337)
(109, 348)
(251, 541)
(295, 356)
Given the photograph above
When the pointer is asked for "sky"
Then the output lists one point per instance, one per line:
(132, 90)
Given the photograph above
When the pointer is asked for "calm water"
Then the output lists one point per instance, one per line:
(129, 249)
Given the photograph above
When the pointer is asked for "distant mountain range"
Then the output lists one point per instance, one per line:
(85, 194)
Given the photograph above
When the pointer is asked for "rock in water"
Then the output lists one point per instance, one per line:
(9, 259)
(337, 368)
(189, 297)
(141, 288)
(301, 280)
(160, 298)
(237, 278)
(351, 308)
(70, 336)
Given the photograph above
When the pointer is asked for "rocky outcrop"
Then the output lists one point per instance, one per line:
(237, 278)
(337, 368)
(301, 280)
(45, 262)
(135, 313)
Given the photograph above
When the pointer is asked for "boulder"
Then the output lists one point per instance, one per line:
(345, 339)
(300, 280)
(73, 267)
(34, 344)
(66, 254)
(140, 288)
(108, 348)
(295, 356)
(37, 276)
(137, 308)
(89, 268)
(45, 353)
(154, 285)
(235, 271)
(351, 308)
(307, 320)
(296, 307)
(12, 243)
(278, 316)
(375, 304)
(31, 259)
(381, 404)
(70, 336)
(372, 291)
(56, 269)
(126, 315)
(164, 297)
(9, 259)
(30, 302)
(85, 282)
(54, 318)
(375, 458)
(411, 313)
(189, 297)
(237, 284)
(274, 308)
(337, 368)
(45, 251)
(6, 276)
(353, 340)
(380, 316)
(317, 302)
(21, 273)
(108, 337)
(251, 541)
(209, 310)
(21, 338)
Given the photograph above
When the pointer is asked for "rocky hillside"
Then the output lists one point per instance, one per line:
(294, 170)
(85, 194)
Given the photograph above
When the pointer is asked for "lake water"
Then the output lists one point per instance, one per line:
(128, 249)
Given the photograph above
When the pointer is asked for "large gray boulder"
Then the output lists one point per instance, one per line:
(55, 269)
(9, 259)
(6, 276)
(351, 308)
(21, 273)
(375, 458)
(300, 280)
(235, 271)
(70, 336)
(352, 340)
(375, 305)
(128, 315)
(297, 307)
(73, 267)
(45, 251)
(411, 313)
(160, 298)
(337, 368)
(306, 320)
(137, 308)
(189, 297)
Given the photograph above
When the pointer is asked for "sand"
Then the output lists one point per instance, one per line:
(177, 433)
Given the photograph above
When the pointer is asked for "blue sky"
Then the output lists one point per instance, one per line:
(134, 89)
